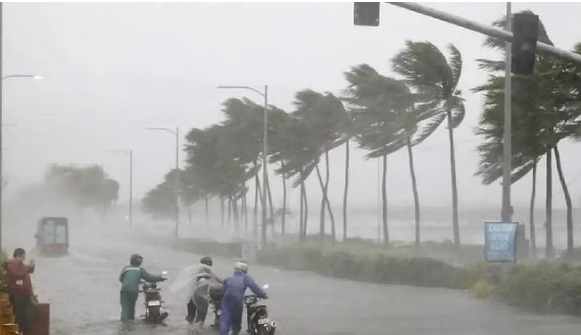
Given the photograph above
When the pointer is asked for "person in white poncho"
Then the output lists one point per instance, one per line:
(197, 296)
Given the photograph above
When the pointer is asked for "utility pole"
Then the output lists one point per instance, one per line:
(131, 188)
(506, 212)
(264, 167)
(177, 184)
(264, 94)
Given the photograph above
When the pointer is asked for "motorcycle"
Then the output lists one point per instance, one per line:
(216, 293)
(259, 322)
(154, 312)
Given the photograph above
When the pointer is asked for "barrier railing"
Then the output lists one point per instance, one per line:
(8, 324)
(7, 320)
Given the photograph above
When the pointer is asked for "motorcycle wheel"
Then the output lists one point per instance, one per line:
(154, 314)
(261, 330)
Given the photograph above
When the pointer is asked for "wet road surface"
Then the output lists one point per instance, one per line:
(83, 291)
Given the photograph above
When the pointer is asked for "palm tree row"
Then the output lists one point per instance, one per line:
(382, 115)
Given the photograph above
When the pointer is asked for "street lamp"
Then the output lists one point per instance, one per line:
(264, 94)
(128, 153)
(1, 112)
(32, 76)
(176, 133)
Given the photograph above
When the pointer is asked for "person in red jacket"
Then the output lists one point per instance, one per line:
(20, 289)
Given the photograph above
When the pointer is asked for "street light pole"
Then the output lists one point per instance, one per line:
(131, 188)
(176, 133)
(265, 164)
(177, 183)
(506, 212)
(264, 94)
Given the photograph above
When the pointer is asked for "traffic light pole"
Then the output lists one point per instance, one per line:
(483, 29)
(506, 212)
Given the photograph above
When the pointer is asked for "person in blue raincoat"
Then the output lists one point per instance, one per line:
(233, 301)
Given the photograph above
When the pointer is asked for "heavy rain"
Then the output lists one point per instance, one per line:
(353, 160)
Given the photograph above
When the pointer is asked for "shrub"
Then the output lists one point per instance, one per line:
(543, 286)
(230, 249)
(482, 289)
(379, 268)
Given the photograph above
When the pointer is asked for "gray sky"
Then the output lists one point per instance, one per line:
(114, 68)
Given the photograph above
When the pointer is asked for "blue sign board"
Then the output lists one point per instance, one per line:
(500, 241)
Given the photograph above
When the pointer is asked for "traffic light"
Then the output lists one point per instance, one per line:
(524, 43)
(366, 14)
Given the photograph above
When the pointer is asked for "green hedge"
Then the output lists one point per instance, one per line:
(223, 249)
(543, 286)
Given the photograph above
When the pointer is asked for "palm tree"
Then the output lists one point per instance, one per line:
(347, 134)
(373, 97)
(380, 106)
(435, 80)
(326, 114)
(244, 119)
(219, 165)
(545, 111)
(278, 140)
(297, 155)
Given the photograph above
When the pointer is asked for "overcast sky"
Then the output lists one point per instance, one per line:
(114, 68)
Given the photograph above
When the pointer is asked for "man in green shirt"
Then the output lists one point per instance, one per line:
(130, 278)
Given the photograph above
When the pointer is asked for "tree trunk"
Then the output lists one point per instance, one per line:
(190, 214)
(256, 195)
(301, 212)
(222, 209)
(245, 208)
(533, 234)
(415, 193)
(305, 208)
(567, 201)
(235, 214)
(229, 211)
(384, 202)
(323, 209)
(206, 208)
(455, 222)
(331, 216)
(346, 190)
(549, 207)
(283, 219)
(271, 208)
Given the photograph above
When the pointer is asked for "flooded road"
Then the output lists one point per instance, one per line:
(83, 292)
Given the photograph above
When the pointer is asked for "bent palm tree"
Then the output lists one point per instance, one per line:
(435, 80)
(386, 120)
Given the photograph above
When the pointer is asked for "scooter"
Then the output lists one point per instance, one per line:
(154, 312)
(259, 322)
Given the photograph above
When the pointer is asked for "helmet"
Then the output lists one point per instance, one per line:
(206, 260)
(136, 260)
(241, 266)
